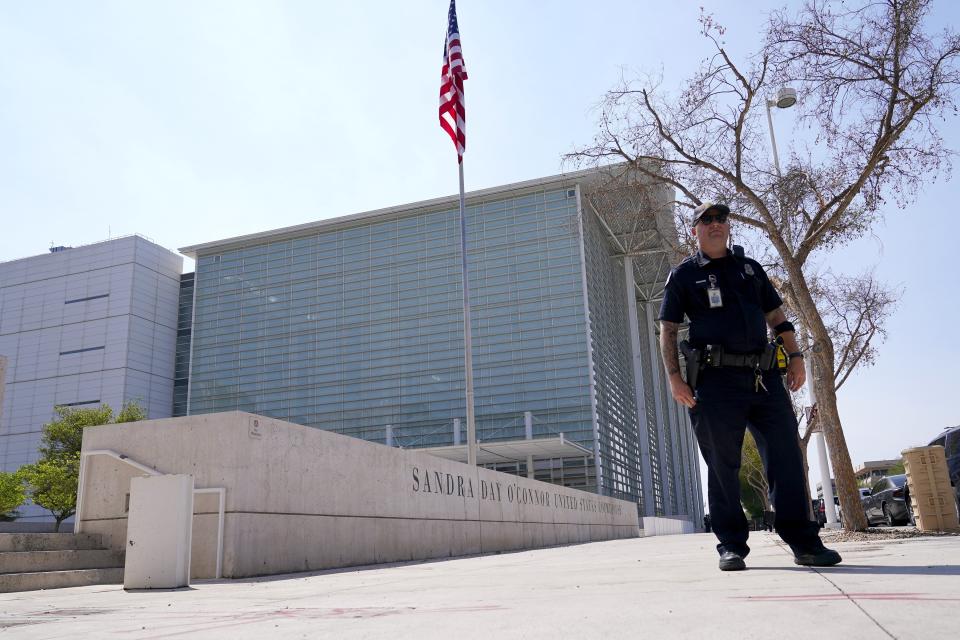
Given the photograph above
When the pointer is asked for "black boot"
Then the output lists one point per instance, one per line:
(821, 557)
(732, 561)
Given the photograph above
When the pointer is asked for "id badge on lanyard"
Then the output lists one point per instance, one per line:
(713, 293)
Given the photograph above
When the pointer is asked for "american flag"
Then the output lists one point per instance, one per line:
(453, 115)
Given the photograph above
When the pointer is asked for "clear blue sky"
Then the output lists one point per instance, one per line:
(193, 121)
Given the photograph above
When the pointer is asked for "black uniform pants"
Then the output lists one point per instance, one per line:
(727, 404)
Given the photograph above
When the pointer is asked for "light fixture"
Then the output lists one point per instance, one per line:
(786, 98)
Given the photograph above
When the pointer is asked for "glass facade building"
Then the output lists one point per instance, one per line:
(356, 325)
(181, 366)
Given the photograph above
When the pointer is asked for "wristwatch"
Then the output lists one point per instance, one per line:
(795, 354)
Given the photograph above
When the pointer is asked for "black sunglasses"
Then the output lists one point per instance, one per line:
(710, 218)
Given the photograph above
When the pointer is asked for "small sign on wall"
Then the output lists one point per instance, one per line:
(254, 428)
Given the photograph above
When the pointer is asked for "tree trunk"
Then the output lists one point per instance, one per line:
(853, 517)
(824, 385)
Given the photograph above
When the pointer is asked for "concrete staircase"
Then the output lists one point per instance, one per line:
(30, 561)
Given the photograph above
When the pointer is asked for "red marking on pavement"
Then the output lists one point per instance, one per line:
(847, 596)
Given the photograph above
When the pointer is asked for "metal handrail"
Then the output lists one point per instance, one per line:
(220, 491)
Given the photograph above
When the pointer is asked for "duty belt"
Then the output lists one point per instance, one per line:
(714, 356)
(719, 358)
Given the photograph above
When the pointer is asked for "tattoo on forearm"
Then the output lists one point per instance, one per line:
(668, 346)
(775, 317)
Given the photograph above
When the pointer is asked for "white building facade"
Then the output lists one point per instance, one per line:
(82, 327)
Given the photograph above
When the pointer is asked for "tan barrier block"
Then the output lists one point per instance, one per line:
(931, 495)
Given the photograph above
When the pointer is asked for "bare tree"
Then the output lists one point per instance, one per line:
(752, 470)
(854, 310)
(874, 86)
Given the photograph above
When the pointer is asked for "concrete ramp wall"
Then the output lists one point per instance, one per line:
(654, 526)
(304, 499)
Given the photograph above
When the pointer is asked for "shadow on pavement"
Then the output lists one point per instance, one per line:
(868, 569)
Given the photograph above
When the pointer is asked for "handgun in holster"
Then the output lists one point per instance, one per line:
(768, 359)
(693, 361)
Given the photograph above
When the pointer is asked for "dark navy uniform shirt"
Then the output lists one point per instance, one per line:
(739, 325)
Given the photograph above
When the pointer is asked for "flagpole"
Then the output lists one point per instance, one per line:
(467, 332)
(452, 120)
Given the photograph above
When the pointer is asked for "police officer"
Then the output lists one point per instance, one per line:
(730, 303)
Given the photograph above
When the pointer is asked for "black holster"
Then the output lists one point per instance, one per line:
(693, 362)
(768, 360)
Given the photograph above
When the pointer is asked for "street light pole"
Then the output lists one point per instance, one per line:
(826, 481)
(786, 98)
(773, 139)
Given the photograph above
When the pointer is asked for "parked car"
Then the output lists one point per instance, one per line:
(888, 502)
(819, 509)
(950, 441)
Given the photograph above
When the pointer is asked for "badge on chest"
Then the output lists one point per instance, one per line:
(713, 293)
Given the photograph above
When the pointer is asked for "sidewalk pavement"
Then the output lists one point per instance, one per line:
(658, 587)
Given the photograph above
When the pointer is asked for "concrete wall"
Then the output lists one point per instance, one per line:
(653, 526)
(303, 499)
